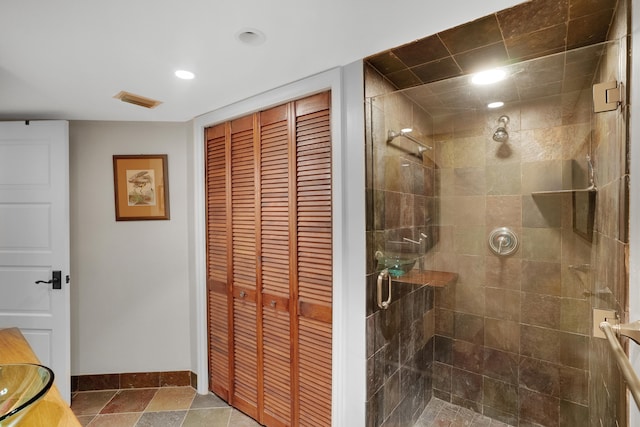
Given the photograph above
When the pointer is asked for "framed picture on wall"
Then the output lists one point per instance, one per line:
(141, 184)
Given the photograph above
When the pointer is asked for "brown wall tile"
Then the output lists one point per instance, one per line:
(468, 356)
(502, 304)
(504, 179)
(466, 385)
(541, 277)
(501, 396)
(540, 376)
(575, 315)
(502, 335)
(540, 343)
(442, 377)
(541, 244)
(574, 385)
(539, 408)
(542, 211)
(469, 327)
(504, 211)
(541, 310)
(505, 273)
(572, 414)
(501, 365)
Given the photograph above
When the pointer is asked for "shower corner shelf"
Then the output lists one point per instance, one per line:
(433, 278)
(591, 189)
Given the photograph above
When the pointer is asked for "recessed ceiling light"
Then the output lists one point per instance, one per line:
(251, 36)
(406, 130)
(184, 74)
(488, 76)
(496, 104)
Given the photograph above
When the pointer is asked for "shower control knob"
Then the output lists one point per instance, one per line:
(503, 241)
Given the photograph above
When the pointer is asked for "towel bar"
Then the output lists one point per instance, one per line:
(630, 376)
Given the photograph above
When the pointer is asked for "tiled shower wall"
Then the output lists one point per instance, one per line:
(609, 260)
(400, 197)
(512, 336)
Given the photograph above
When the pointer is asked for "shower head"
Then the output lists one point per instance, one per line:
(501, 134)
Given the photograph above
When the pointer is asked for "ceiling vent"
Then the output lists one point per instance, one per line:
(137, 100)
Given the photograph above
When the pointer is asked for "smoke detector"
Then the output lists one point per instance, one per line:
(134, 99)
(251, 36)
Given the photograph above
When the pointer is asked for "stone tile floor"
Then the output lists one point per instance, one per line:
(183, 407)
(439, 413)
(155, 407)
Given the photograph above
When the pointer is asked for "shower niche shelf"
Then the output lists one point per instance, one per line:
(583, 205)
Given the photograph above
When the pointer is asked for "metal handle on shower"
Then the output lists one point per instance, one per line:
(503, 241)
(384, 274)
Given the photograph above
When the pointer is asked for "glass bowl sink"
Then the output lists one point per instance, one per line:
(397, 264)
(21, 385)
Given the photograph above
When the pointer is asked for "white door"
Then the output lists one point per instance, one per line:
(34, 239)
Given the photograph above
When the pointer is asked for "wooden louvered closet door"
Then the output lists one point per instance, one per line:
(269, 262)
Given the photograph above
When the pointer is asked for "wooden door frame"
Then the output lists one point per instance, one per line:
(349, 332)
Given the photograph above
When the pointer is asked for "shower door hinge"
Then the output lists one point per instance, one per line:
(606, 96)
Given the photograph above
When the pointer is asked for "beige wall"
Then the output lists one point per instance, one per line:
(130, 280)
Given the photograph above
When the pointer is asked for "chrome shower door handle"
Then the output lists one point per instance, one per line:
(384, 274)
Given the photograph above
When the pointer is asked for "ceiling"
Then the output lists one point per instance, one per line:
(67, 59)
(569, 74)
(529, 30)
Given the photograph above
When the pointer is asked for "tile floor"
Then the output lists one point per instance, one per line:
(183, 407)
(155, 407)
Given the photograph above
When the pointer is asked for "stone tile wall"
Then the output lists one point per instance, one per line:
(400, 197)
(512, 339)
(512, 335)
(609, 286)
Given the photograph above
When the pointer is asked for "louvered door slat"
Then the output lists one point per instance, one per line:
(274, 174)
(275, 203)
(243, 262)
(245, 342)
(313, 138)
(314, 259)
(277, 365)
(217, 261)
(270, 249)
(315, 373)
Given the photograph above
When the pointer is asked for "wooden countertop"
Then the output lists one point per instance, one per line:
(436, 279)
(51, 410)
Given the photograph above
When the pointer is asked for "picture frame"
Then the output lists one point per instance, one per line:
(141, 187)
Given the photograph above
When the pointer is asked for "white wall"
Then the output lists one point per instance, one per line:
(130, 279)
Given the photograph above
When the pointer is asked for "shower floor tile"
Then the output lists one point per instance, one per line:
(439, 413)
